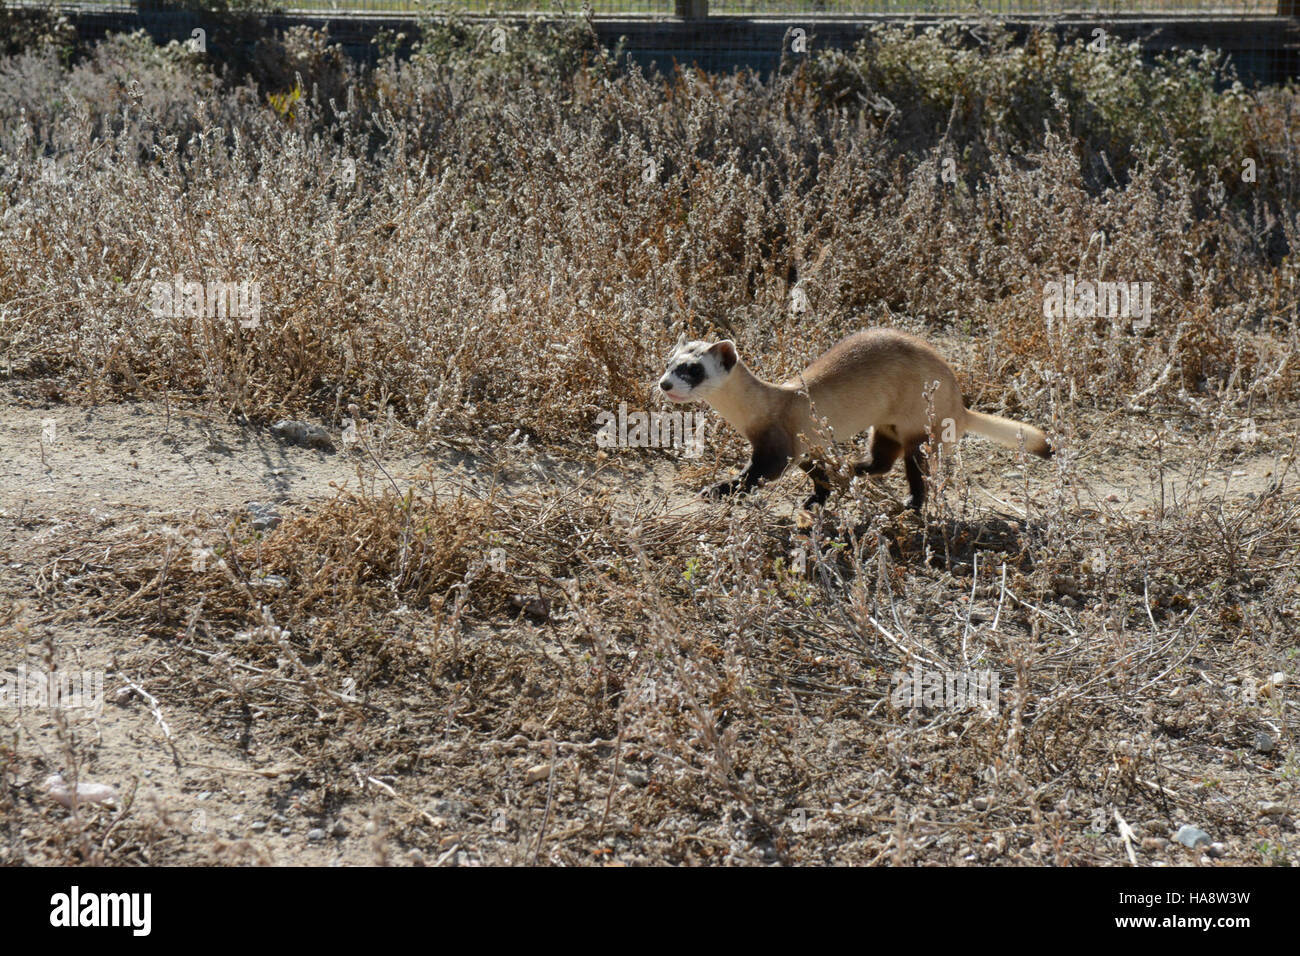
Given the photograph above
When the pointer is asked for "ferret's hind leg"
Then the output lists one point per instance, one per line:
(884, 452)
(916, 465)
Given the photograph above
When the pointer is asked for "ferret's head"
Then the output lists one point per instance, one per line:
(697, 369)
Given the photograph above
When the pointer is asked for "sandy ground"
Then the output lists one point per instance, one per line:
(64, 469)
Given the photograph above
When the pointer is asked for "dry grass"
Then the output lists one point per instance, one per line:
(663, 682)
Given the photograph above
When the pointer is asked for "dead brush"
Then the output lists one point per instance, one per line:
(486, 271)
(693, 671)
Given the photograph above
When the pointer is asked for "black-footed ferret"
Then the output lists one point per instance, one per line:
(878, 377)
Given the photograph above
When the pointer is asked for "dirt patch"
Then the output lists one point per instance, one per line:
(487, 755)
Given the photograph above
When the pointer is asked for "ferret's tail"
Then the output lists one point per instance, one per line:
(1004, 431)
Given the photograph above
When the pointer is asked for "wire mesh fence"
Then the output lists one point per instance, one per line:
(1260, 37)
(750, 8)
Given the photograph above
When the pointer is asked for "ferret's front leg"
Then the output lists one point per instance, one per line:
(768, 462)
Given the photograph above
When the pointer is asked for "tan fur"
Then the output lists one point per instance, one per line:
(877, 377)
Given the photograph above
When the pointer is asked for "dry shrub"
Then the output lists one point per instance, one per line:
(485, 240)
(735, 669)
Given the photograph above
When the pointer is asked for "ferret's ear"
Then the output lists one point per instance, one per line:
(725, 352)
(681, 340)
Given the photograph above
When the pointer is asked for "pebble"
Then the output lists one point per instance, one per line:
(264, 516)
(59, 791)
(1271, 808)
(1191, 836)
(1264, 742)
(340, 829)
(981, 803)
(257, 826)
(302, 433)
(316, 835)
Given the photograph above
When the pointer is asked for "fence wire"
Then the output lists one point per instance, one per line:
(1261, 37)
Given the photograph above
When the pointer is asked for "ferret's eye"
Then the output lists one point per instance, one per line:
(692, 373)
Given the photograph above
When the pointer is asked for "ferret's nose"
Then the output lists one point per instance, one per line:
(666, 385)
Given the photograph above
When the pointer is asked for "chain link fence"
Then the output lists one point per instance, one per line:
(699, 9)
(1262, 37)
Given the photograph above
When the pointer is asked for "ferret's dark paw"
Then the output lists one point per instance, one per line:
(722, 489)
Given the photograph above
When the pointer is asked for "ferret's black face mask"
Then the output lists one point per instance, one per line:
(694, 369)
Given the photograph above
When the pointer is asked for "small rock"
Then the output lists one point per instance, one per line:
(285, 831)
(264, 517)
(416, 857)
(1154, 844)
(1271, 808)
(536, 774)
(1191, 836)
(1265, 743)
(340, 829)
(316, 835)
(86, 792)
(302, 433)
(981, 803)
(1217, 850)
(257, 826)
(537, 608)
